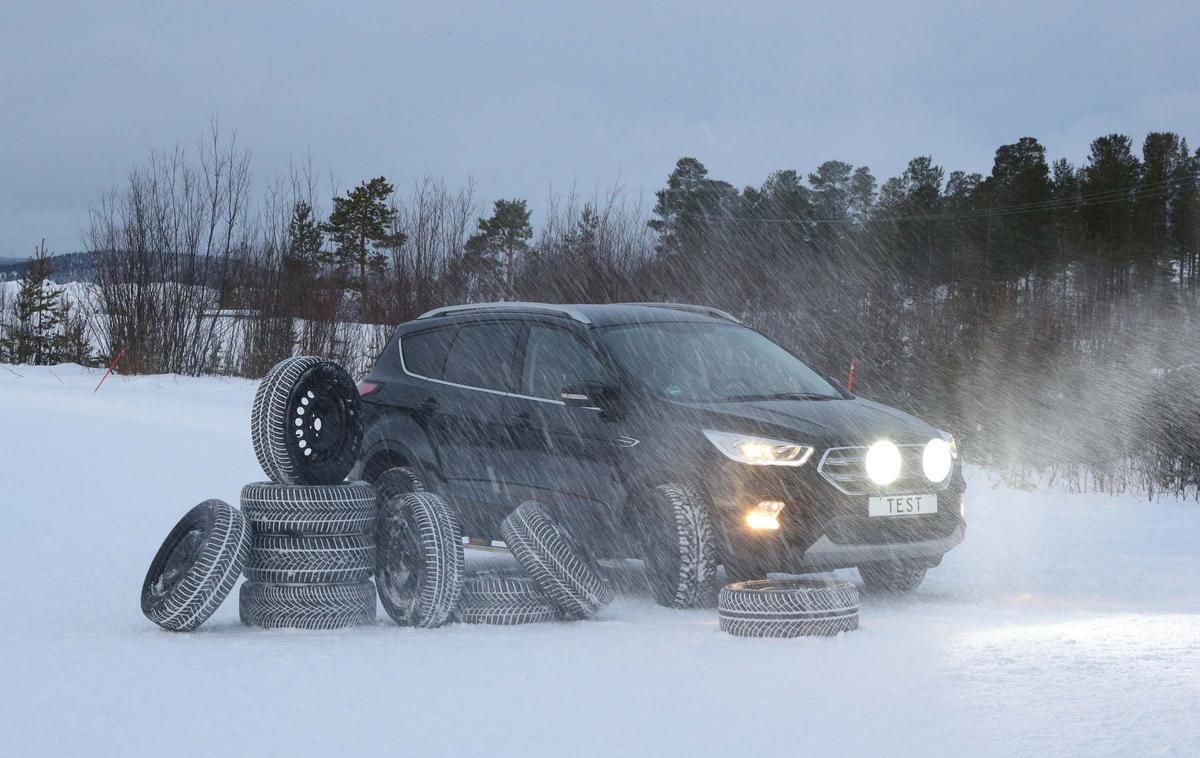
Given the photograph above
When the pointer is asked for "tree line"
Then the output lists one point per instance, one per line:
(1046, 311)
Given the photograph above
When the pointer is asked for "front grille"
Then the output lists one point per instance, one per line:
(846, 469)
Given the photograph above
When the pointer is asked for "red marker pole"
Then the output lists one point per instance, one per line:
(110, 370)
(850, 383)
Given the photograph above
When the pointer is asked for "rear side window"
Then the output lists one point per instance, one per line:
(425, 352)
(482, 356)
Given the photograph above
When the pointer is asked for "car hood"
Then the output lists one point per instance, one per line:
(824, 423)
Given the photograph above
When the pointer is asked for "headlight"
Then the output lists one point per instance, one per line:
(759, 451)
(937, 460)
(883, 462)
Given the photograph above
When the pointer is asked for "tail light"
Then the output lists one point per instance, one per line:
(368, 388)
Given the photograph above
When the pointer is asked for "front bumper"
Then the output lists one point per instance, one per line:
(823, 528)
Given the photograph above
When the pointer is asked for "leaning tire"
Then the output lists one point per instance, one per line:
(506, 613)
(564, 571)
(307, 606)
(196, 566)
(788, 608)
(306, 510)
(397, 481)
(420, 559)
(883, 578)
(331, 559)
(680, 548)
(306, 422)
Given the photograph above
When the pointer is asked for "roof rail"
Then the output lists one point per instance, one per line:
(560, 310)
(715, 312)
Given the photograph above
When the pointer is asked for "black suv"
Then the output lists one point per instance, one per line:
(666, 432)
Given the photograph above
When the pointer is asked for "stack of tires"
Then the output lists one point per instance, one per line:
(312, 553)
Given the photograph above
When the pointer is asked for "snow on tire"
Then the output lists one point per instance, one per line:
(306, 422)
(506, 612)
(420, 561)
(303, 510)
(196, 566)
(307, 606)
(681, 553)
(564, 571)
(324, 559)
(399, 480)
(788, 608)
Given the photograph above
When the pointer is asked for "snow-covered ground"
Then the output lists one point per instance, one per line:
(1065, 624)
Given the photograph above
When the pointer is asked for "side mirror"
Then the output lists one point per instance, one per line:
(590, 395)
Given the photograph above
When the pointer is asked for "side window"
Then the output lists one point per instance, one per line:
(554, 359)
(482, 355)
(425, 352)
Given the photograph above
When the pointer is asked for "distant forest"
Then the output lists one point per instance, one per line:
(1046, 312)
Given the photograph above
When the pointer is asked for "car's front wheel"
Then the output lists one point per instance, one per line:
(891, 577)
(679, 547)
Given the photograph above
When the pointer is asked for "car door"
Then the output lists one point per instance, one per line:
(466, 411)
(567, 452)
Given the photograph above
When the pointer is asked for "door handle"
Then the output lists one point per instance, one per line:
(520, 421)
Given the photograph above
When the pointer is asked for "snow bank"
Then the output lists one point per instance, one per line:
(1065, 624)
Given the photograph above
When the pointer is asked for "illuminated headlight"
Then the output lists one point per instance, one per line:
(937, 460)
(759, 451)
(883, 462)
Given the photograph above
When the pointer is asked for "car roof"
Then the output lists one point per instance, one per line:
(592, 314)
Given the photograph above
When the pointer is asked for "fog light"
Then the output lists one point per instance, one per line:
(765, 515)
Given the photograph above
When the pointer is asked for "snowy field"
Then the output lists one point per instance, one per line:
(1065, 624)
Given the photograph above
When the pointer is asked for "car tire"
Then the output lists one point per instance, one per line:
(506, 613)
(324, 559)
(499, 586)
(307, 606)
(680, 548)
(884, 578)
(306, 422)
(196, 566)
(307, 510)
(420, 559)
(396, 481)
(563, 570)
(788, 608)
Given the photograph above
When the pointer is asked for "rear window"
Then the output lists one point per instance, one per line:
(482, 356)
(425, 352)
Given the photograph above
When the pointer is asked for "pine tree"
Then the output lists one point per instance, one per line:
(362, 225)
(301, 259)
(506, 233)
(34, 336)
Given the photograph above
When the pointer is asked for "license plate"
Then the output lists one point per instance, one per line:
(901, 505)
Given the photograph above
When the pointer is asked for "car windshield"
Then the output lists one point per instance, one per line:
(706, 362)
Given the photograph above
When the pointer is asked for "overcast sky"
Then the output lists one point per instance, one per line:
(525, 96)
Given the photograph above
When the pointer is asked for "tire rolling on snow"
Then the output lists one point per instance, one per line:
(328, 559)
(196, 567)
(307, 606)
(680, 548)
(306, 423)
(419, 565)
(565, 571)
(788, 608)
(306, 510)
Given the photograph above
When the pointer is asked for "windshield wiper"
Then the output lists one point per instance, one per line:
(779, 396)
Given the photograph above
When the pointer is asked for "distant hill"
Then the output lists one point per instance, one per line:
(72, 267)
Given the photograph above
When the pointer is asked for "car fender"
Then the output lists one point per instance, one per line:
(397, 438)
